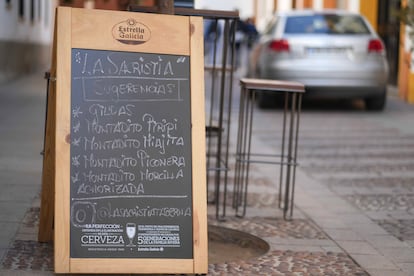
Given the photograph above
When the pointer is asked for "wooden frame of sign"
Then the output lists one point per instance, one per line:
(129, 143)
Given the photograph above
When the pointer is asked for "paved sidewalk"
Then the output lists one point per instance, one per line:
(22, 104)
(329, 235)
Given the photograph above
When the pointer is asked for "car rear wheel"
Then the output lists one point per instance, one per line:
(376, 103)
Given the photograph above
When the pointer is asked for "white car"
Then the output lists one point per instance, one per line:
(335, 54)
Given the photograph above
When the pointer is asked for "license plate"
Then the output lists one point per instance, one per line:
(326, 50)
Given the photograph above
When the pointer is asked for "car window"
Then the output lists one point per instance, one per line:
(326, 24)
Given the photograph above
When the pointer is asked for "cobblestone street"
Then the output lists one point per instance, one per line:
(354, 199)
(366, 160)
(368, 165)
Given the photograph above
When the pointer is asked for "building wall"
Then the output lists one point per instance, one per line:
(406, 65)
(97, 4)
(265, 8)
(25, 36)
(369, 8)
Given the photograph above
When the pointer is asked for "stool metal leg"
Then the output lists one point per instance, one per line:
(247, 137)
(242, 151)
(290, 133)
(289, 160)
(212, 100)
(282, 154)
(239, 150)
(294, 154)
(229, 111)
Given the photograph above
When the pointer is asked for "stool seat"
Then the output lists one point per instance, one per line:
(272, 85)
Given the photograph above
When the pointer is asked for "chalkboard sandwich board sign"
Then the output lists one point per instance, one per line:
(129, 150)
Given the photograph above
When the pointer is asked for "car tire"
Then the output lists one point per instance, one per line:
(376, 103)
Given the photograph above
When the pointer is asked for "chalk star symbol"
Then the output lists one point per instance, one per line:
(75, 178)
(76, 142)
(76, 112)
(76, 127)
(75, 161)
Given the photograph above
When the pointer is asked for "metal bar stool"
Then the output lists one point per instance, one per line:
(218, 97)
(219, 102)
(292, 93)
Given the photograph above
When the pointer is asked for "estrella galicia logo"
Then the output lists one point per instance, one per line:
(131, 31)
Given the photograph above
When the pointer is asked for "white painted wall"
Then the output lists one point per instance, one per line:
(245, 7)
(285, 5)
(265, 12)
(353, 5)
(14, 28)
(318, 4)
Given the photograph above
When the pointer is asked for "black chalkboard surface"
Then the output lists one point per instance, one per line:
(130, 156)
